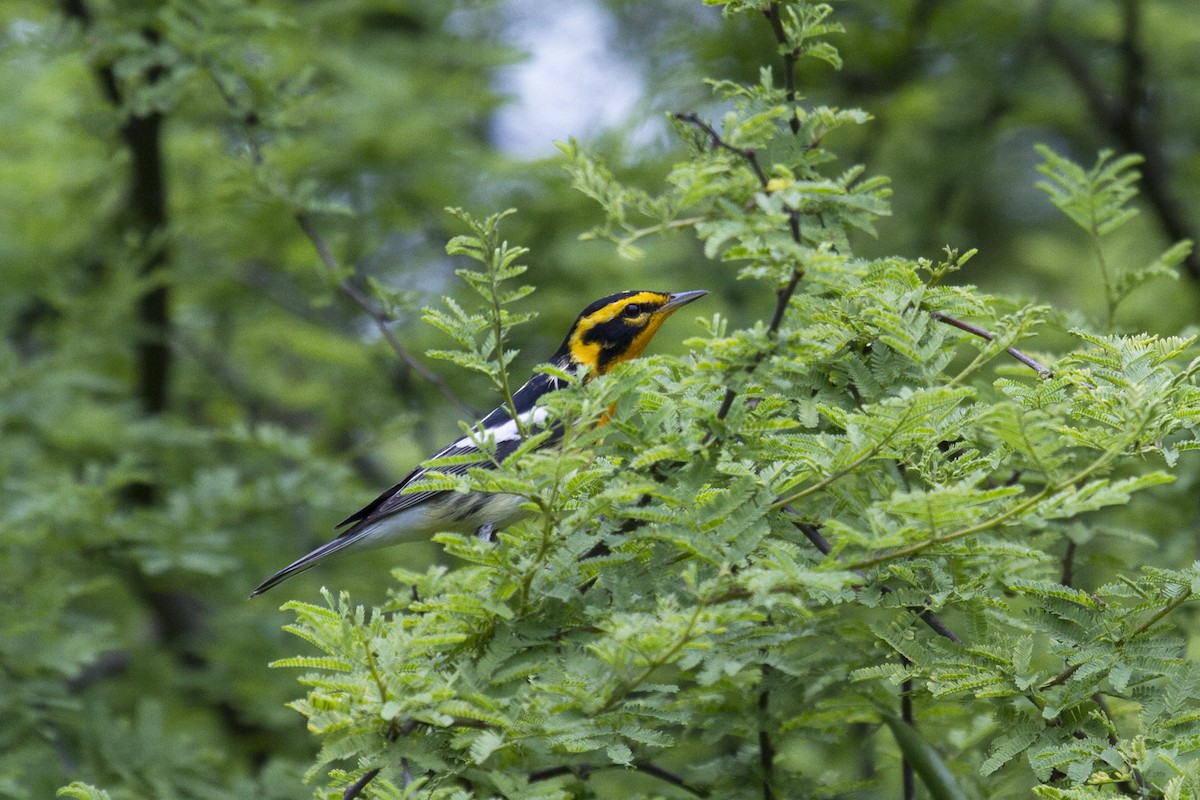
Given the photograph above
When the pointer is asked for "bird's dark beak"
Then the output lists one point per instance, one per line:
(680, 299)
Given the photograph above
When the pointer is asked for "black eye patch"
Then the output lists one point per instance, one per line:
(632, 310)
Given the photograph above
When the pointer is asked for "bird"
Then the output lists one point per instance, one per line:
(611, 330)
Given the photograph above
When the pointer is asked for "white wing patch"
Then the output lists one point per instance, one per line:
(508, 432)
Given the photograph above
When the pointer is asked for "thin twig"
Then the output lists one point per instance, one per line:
(813, 533)
(251, 121)
(1043, 371)
(784, 294)
(382, 321)
(550, 773)
(774, 16)
(748, 154)
(669, 777)
(582, 771)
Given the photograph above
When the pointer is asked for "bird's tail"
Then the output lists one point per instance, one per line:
(307, 561)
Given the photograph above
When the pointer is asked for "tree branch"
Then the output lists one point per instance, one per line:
(775, 17)
(983, 333)
(147, 206)
(908, 777)
(355, 789)
(783, 295)
(251, 121)
(382, 321)
(750, 156)
(813, 533)
(582, 771)
(766, 750)
(1068, 564)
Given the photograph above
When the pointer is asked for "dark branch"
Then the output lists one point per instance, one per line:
(147, 206)
(727, 402)
(782, 298)
(669, 777)
(382, 321)
(1068, 564)
(774, 16)
(766, 750)
(929, 618)
(908, 777)
(251, 121)
(550, 773)
(983, 333)
(813, 533)
(582, 771)
(746, 153)
(784, 294)
(355, 789)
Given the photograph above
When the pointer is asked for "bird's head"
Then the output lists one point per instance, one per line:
(618, 327)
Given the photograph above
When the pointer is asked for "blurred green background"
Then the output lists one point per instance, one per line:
(189, 400)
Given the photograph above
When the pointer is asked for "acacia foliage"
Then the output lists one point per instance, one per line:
(812, 554)
(164, 149)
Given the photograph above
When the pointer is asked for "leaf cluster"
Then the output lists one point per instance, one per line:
(131, 531)
(773, 537)
(1098, 201)
(825, 544)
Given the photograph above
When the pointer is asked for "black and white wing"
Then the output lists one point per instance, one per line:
(396, 516)
(498, 427)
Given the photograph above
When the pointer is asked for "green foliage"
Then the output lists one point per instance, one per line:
(1097, 200)
(774, 535)
(130, 532)
(482, 336)
(81, 791)
(728, 584)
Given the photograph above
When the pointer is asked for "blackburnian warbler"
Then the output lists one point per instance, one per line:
(609, 331)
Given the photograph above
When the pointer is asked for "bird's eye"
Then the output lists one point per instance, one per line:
(632, 310)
